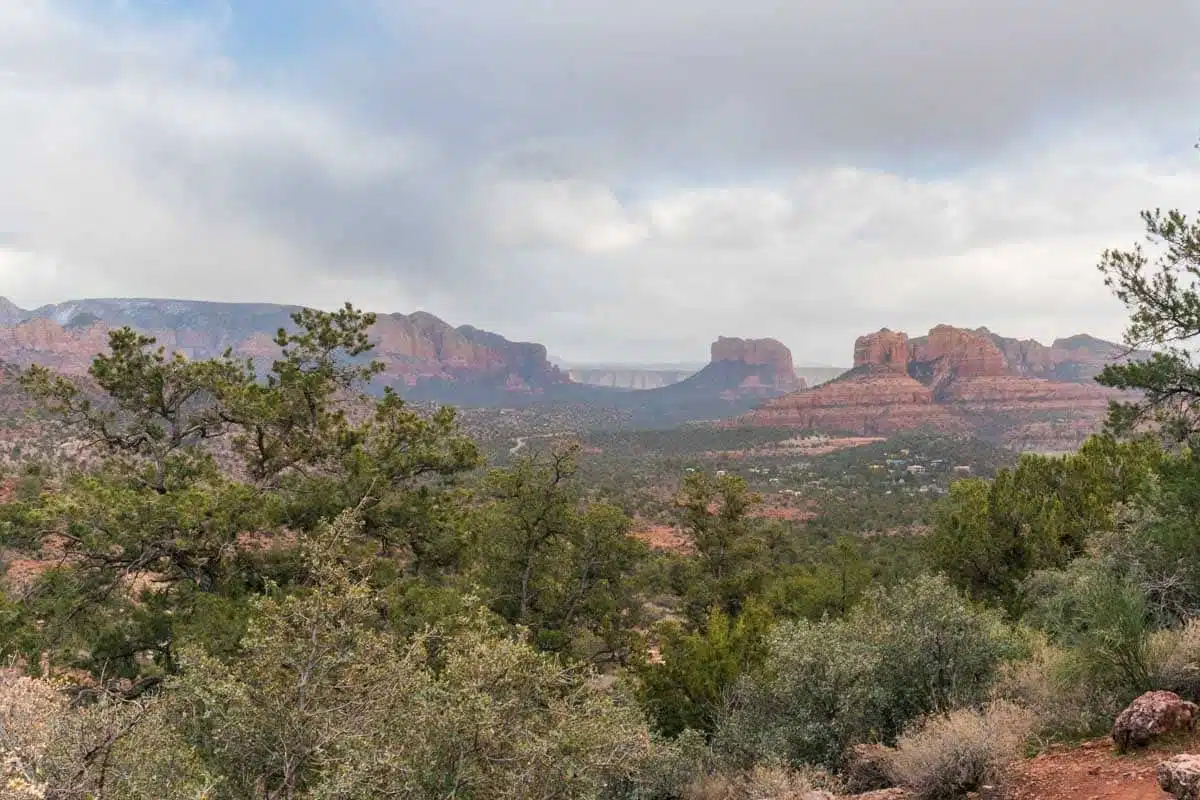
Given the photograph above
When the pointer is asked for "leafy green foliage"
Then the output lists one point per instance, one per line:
(1103, 620)
(989, 536)
(917, 648)
(713, 512)
(831, 587)
(687, 688)
(322, 702)
(554, 564)
(1163, 298)
(198, 458)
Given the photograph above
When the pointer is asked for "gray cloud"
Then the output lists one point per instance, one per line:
(620, 181)
(676, 80)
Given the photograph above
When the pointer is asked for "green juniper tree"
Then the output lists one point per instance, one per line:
(197, 468)
(1161, 289)
(556, 562)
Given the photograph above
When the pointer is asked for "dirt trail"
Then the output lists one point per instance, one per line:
(1093, 771)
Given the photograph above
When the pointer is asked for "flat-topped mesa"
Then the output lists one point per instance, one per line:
(883, 350)
(753, 351)
(780, 373)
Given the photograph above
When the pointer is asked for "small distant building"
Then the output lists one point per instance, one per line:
(962, 469)
(916, 469)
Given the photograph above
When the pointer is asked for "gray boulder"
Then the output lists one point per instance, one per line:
(1180, 776)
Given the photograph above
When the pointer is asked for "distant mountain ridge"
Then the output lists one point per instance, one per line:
(424, 357)
(416, 349)
(952, 378)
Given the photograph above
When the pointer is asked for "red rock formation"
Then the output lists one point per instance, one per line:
(957, 353)
(882, 349)
(953, 380)
(872, 402)
(411, 348)
(780, 374)
(752, 351)
(1151, 716)
(45, 342)
(1027, 356)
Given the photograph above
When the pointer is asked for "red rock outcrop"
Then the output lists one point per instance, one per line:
(1152, 715)
(48, 344)
(779, 375)
(957, 353)
(885, 349)
(752, 351)
(875, 401)
(956, 381)
(412, 348)
(1027, 356)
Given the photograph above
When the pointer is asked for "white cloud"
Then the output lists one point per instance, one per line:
(631, 215)
(572, 215)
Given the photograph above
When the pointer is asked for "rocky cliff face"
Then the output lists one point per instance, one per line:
(742, 373)
(45, 342)
(416, 349)
(882, 351)
(959, 381)
(768, 362)
(629, 378)
(949, 353)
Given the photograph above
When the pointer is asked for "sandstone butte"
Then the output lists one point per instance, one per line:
(411, 347)
(769, 362)
(960, 381)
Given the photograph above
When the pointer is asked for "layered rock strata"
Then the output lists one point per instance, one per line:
(412, 347)
(956, 380)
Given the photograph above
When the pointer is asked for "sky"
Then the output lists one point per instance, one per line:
(619, 180)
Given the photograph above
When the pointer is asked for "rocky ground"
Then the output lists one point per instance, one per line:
(1094, 771)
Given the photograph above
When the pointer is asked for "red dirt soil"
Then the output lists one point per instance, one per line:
(663, 537)
(1093, 771)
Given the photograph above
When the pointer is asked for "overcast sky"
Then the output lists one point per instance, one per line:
(619, 180)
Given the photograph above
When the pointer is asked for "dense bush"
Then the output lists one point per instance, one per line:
(1175, 660)
(1047, 683)
(917, 648)
(324, 702)
(688, 687)
(762, 782)
(990, 535)
(1102, 619)
(945, 756)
